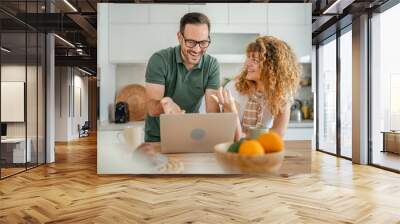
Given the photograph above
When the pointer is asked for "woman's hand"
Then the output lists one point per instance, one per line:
(224, 98)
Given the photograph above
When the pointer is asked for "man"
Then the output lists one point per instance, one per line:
(178, 77)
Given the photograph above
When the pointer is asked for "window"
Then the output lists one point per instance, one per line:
(22, 66)
(346, 75)
(385, 88)
(327, 96)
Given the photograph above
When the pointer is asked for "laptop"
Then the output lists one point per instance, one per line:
(195, 133)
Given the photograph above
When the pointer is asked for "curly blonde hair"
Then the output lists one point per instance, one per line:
(280, 72)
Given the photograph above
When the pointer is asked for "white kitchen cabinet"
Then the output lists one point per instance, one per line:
(138, 30)
(297, 36)
(247, 13)
(261, 29)
(296, 13)
(299, 133)
(216, 12)
(171, 13)
(135, 44)
(123, 13)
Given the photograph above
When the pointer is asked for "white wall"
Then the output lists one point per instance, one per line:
(129, 74)
(106, 70)
(230, 70)
(62, 81)
(33, 126)
(68, 80)
(12, 73)
(80, 82)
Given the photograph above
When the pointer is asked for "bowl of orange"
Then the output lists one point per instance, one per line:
(262, 155)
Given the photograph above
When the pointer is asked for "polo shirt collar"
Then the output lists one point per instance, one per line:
(179, 58)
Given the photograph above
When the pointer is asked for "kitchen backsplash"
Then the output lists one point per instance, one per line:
(304, 92)
(129, 74)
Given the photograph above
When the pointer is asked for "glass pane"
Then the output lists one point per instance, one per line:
(31, 100)
(386, 89)
(13, 87)
(327, 97)
(346, 94)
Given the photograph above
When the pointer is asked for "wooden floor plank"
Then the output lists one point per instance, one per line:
(70, 191)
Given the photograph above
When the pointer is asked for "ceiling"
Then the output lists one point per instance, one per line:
(76, 22)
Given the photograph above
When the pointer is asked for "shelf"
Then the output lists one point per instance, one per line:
(230, 58)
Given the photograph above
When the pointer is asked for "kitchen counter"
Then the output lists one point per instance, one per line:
(108, 126)
(301, 124)
(115, 158)
(296, 130)
(303, 130)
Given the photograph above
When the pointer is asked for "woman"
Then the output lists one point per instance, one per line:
(263, 92)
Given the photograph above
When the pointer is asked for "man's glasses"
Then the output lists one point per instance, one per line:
(192, 43)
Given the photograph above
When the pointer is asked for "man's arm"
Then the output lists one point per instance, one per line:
(157, 104)
(154, 95)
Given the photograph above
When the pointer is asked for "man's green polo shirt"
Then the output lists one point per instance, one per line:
(186, 88)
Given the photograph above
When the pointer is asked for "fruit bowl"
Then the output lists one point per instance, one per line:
(234, 162)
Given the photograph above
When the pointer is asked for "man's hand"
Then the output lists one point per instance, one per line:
(224, 98)
(170, 107)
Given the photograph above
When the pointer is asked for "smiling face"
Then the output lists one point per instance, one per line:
(253, 67)
(271, 67)
(193, 32)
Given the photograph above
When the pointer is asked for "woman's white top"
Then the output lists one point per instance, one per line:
(242, 101)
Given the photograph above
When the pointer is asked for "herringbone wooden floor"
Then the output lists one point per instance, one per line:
(70, 191)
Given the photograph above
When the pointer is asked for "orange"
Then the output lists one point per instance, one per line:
(251, 148)
(271, 142)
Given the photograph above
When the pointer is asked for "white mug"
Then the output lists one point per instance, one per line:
(133, 136)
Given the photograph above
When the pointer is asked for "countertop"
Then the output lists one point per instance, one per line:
(301, 124)
(148, 159)
(108, 126)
